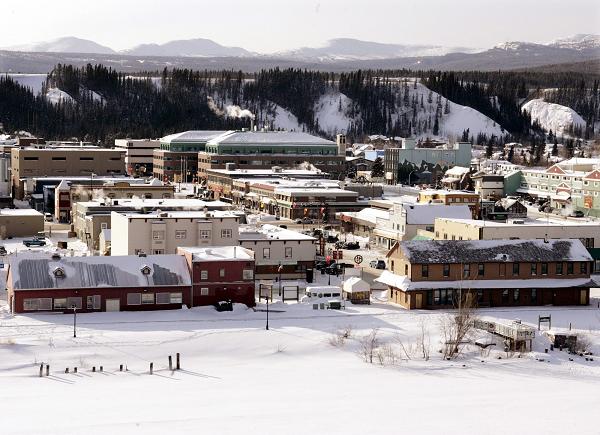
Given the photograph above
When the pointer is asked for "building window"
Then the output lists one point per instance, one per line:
(134, 299)
(515, 268)
(533, 295)
(158, 235)
(569, 268)
(180, 234)
(60, 303)
(226, 234)
(533, 269)
(425, 271)
(505, 296)
(583, 267)
(103, 225)
(93, 302)
(266, 252)
(176, 298)
(516, 294)
(205, 234)
(247, 274)
(74, 302)
(158, 251)
(147, 298)
(288, 252)
(204, 275)
(163, 298)
(446, 270)
(559, 268)
(405, 269)
(203, 291)
(544, 268)
(222, 273)
(466, 270)
(479, 296)
(480, 269)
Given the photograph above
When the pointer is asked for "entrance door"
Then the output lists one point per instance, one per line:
(113, 305)
(418, 301)
(583, 297)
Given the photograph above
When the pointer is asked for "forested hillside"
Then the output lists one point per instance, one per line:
(99, 104)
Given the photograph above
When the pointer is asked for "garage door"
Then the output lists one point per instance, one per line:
(113, 305)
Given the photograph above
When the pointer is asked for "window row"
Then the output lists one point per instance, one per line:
(149, 298)
(535, 269)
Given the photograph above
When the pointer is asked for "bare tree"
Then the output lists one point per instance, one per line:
(423, 339)
(456, 327)
(368, 344)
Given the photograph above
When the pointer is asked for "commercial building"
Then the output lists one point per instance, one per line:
(451, 197)
(177, 158)
(62, 162)
(410, 154)
(20, 223)
(163, 232)
(573, 183)
(266, 149)
(51, 282)
(274, 247)
(223, 273)
(484, 273)
(139, 154)
(67, 193)
(91, 217)
(470, 229)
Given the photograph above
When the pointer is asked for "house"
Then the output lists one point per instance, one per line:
(52, 282)
(220, 273)
(491, 273)
(457, 177)
(356, 290)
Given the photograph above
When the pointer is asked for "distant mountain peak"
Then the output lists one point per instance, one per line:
(197, 47)
(580, 41)
(67, 44)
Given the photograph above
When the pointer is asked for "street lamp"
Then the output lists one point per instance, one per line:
(279, 270)
(411, 172)
(74, 320)
(267, 327)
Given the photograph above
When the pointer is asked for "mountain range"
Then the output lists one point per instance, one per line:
(336, 55)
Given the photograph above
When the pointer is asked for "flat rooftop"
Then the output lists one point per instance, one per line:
(541, 222)
(270, 232)
(193, 136)
(19, 212)
(179, 214)
(267, 172)
(219, 253)
(156, 202)
(270, 138)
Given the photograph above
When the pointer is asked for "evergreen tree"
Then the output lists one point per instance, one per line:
(378, 169)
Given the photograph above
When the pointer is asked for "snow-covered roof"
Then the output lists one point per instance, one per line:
(482, 251)
(219, 253)
(193, 136)
(270, 232)
(170, 203)
(269, 138)
(19, 212)
(354, 284)
(457, 171)
(397, 281)
(425, 214)
(541, 222)
(37, 271)
(336, 191)
(178, 214)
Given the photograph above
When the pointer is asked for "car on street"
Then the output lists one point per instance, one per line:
(351, 245)
(377, 264)
(2, 250)
(35, 241)
(576, 214)
(48, 217)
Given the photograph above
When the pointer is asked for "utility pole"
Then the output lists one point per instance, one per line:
(74, 320)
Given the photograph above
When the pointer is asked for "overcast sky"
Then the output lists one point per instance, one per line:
(272, 25)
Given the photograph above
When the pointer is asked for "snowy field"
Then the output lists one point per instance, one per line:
(237, 377)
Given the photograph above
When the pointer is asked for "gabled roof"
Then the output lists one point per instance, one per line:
(482, 251)
(31, 271)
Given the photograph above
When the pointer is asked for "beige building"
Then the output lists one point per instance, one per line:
(274, 246)
(91, 217)
(162, 232)
(138, 154)
(470, 229)
(20, 223)
(63, 162)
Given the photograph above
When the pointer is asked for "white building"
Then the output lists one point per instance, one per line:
(162, 232)
(275, 246)
(138, 154)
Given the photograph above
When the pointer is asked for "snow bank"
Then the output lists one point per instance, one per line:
(552, 116)
(56, 96)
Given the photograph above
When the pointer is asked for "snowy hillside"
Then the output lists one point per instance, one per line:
(552, 116)
(56, 96)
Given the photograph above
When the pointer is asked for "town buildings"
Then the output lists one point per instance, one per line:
(139, 155)
(63, 162)
(20, 222)
(488, 273)
(52, 282)
(451, 197)
(224, 273)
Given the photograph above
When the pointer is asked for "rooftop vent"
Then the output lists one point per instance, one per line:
(59, 272)
(145, 269)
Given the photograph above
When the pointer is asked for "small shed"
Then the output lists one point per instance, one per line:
(356, 290)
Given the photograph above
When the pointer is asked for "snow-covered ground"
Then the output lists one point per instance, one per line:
(55, 96)
(552, 116)
(239, 378)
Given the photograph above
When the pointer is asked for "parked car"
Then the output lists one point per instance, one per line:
(577, 214)
(35, 241)
(339, 245)
(334, 269)
(377, 264)
(323, 264)
(48, 217)
(2, 250)
(317, 233)
(283, 226)
(332, 239)
(351, 245)
(328, 227)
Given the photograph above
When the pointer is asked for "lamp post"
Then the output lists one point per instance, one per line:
(74, 320)
(267, 327)
(279, 270)
(410, 173)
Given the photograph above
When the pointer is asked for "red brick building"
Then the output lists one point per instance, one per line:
(44, 282)
(488, 273)
(220, 273)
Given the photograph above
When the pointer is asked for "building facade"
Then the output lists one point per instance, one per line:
(139, 154)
